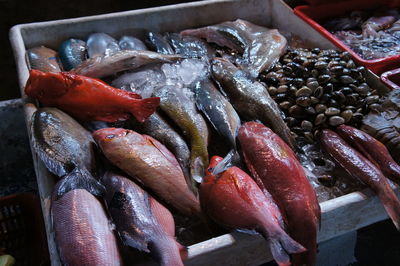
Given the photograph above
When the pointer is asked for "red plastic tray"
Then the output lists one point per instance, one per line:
(392, 78)
(312, 14)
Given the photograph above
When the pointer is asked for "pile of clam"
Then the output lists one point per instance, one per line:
(319, 89)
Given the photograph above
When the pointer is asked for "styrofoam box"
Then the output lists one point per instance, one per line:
(339, 215)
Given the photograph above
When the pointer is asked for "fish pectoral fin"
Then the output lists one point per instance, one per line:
(136, 241)
(134, 95)
(79, 178)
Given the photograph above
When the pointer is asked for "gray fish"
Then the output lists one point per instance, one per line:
(158, 43)
(99, 44)
(261, 46)
(131, 43)
(135, 214)
(250, 98)
(190, 46)
(72, 53)
(66, 149)
(43, 59)
(102, 66)
(157, 127)
(179, 105)
(218, 110)
(82, 231)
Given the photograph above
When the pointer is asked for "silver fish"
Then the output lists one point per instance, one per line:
(158, 43)
(131, 43)
(72, 53)
(250, 98)
(261, 47)
(190, 46)
(218, 110)
(102, 66)
(99, 44)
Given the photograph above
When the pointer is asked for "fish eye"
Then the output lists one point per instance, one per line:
(110, 136)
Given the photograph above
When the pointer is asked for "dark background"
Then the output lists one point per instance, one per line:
(14, 12)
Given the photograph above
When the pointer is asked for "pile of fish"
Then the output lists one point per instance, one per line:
(372, 34)
(144, 134)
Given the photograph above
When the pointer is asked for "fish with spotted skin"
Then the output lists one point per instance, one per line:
(250, 98)
(142, 222)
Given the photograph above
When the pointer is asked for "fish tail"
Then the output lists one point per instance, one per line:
(391, 204)
(281, 245)
(79, 178)
(167, 251)
(143, 108)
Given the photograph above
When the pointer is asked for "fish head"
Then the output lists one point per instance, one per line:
(106, 135)
(47, 84)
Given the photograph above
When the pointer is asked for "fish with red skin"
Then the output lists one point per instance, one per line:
(372, 149)
(151, 163)
(274, 164)
(87, 98)
(232, 199)
(361, 168)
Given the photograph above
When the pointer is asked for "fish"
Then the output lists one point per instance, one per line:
(158, 43)
(362, 169)
(190, 46)
(131, 43)
(179, 105)
(103, 66)
(101, 44)
(382, 19)
(250, 98)
(233, 199)
(72, 53)
(43, 59)
(86, 98)
(372, 149)
(261, 46)
(135, 214)
(82, 230)
(218, 110)
(149, 162)
(275, 166)
(160, 129)
(66, 149)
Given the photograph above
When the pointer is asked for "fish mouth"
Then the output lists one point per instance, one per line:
(108, 134)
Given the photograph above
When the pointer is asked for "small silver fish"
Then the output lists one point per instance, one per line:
(72, 53)
(131, 43)
(99, 44)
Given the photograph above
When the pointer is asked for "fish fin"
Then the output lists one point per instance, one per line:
(79, 178)
(197, 169)
(183, 251)
(391, 204)
(52, 165)
(135, 241)
(283, 246)
(166, 250)
(143, 108)
(230, 160)
(134, 95)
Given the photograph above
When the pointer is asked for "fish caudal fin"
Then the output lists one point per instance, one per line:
(392, 206)
(166, 251)
(79, 178)
(281, 246)
(143, 108)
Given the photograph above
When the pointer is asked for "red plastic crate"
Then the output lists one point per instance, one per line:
(316, 13)
(392, 78)
(22, 229)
